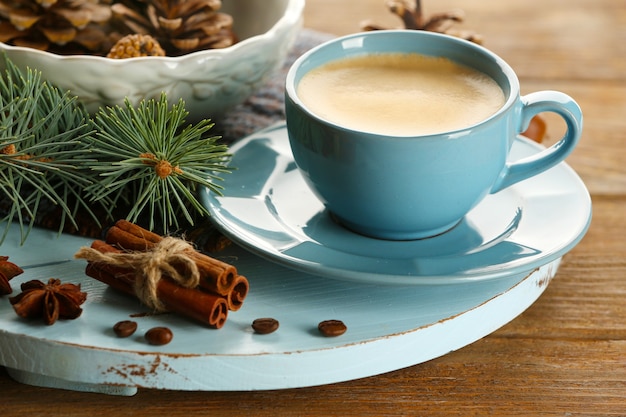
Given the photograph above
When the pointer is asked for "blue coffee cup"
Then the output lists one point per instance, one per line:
(399, 187)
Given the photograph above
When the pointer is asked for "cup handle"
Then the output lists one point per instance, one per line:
(533, 104)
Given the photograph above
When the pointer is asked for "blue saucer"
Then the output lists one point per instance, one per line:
(267, 208)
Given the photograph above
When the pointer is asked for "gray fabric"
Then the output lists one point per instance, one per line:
(267, 105)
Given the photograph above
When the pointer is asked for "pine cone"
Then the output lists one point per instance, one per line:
(413, 18)
(180, 26)
(131, 46)
(61, 26)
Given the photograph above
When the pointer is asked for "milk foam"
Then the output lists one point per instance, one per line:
(400, 94)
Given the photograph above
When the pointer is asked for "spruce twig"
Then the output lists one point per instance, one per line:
(42, 149)
(148, 158)
(54, 155)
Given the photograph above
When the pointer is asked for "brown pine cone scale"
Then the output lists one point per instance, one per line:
(132, 46)
(56, 25)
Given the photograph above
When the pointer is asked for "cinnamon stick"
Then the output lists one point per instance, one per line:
(119, 281)
(138, 231)
(207, 308)
(238, 293)
(217, 276)
(536, 129)
(235, 295)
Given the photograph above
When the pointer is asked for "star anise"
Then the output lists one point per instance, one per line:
(8, 270)
(413, 18)
(50, 301)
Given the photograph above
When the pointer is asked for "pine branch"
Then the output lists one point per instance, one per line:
(142, 159)
(149, 159)
(43, 148)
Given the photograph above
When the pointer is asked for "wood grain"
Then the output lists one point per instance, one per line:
(566, 355)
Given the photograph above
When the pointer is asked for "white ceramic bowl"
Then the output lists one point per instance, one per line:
(211, 82)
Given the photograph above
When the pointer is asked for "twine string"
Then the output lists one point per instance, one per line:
(150, 267)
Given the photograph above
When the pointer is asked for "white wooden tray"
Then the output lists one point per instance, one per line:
(389, 327)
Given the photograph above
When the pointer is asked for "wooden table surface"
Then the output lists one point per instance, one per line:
(564, 356)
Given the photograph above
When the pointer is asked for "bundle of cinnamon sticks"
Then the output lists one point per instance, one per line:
(219, 289)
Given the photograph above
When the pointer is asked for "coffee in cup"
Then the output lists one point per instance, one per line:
(413, 183)
(400, 94)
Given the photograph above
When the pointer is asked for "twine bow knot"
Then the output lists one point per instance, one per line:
(168, 257)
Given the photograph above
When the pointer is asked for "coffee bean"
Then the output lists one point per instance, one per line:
(159, 336)
(125, 328)
(332, 328)
(265, 325)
